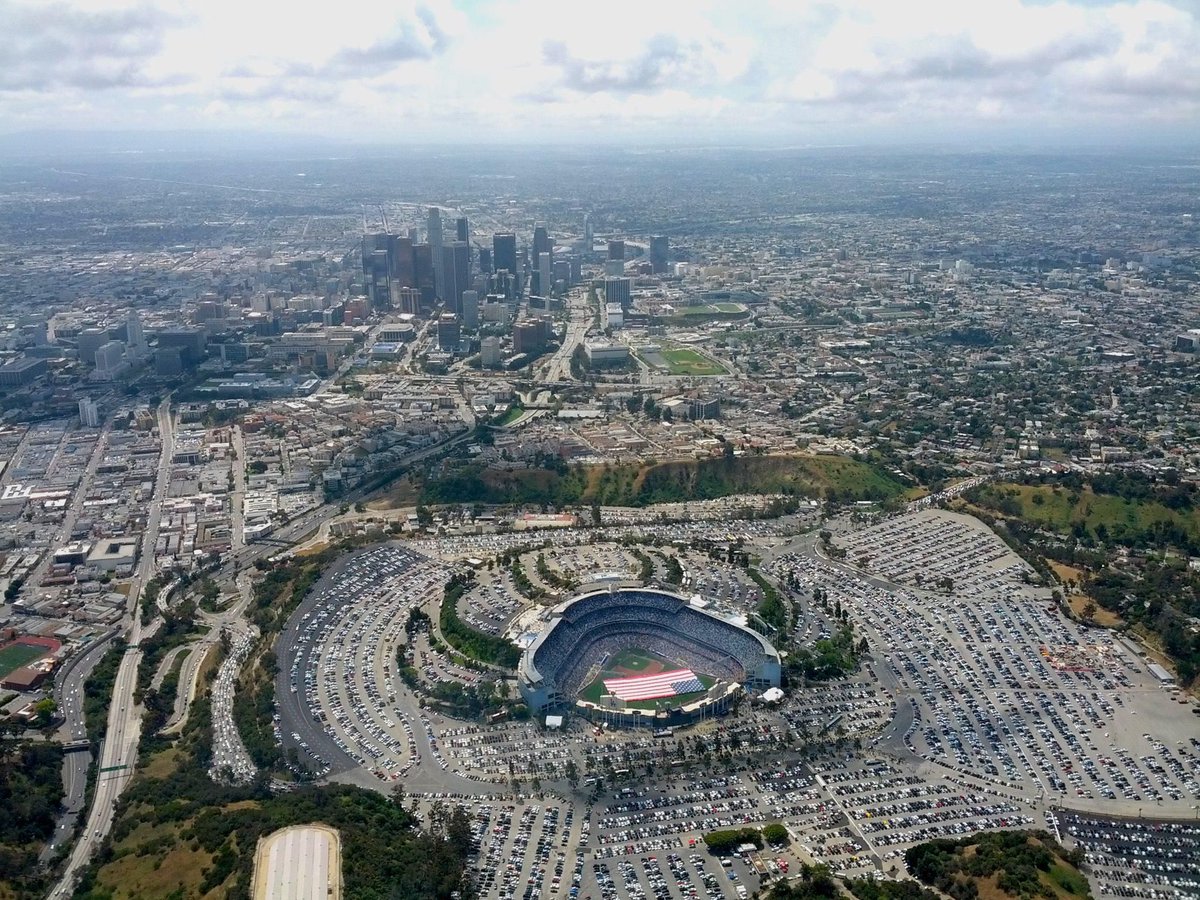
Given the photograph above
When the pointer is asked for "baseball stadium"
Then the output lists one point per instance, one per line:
(642, 657)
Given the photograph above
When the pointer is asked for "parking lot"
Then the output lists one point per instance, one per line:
(977, 707)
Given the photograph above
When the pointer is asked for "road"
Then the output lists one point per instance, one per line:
(68, 693)
(185, 693)
(237, 511)
(146, 559)
(72, 514)
(118, 754)
(578, 322)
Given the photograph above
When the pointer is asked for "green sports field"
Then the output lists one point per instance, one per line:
(16, 655)
(636, 661)
(683, 361)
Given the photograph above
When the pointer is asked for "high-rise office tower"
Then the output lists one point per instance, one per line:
(423, 274)
(448, 332)
(588, 237)
(375, 268)
(503, 283)
(462, 228)
(541, 244)
(616, 249)
(89, 341)
(489, 352)
(659, 250)
(134, 336)
(434, 225)
(470, 309)
(485, 261)
(456, 268)
(406, 299)
(110, 360)
(400, 262)
(89, 413)
(546, 269)
(504, 252)
(617, 290)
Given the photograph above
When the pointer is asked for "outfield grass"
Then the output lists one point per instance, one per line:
(635, 659)
(683, 361)
(16, 655)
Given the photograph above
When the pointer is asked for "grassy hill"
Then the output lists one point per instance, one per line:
(996, 865)
(1107, 516)
(829, 477)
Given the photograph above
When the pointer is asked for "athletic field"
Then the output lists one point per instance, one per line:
(15, 655)
(634, 661)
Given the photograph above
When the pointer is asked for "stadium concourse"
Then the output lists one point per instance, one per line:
(714, 659)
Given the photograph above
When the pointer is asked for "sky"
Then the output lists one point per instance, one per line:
(631, 71)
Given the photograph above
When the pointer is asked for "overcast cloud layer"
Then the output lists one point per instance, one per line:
(489, 70)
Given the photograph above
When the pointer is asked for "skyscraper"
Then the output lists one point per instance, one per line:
(423, 273)
(485, 261)
(400, 261)
(110, 360)
(659, 250)
(434, 225)
(462, 228)
(456, 268)
(489, 352)
(470, 309)
(617, 290)
(134, 336)
(616, 249)
(448, 332)
(504, 252)
(89, 413)
(541, 244)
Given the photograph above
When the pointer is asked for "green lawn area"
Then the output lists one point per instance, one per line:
(512, 415)
(683, 361)
(1069, 880)
(722, 310)
(16, 655)
(1058, 509)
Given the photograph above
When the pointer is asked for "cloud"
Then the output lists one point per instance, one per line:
(663, 61)
(531, 68)
(1026, 61)
(54, 45)
(418, 38)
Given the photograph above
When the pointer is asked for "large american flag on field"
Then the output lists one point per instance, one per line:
(652, 687)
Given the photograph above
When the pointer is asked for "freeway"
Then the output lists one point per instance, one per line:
(68, 693)
(578, 323)
(118, 755)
